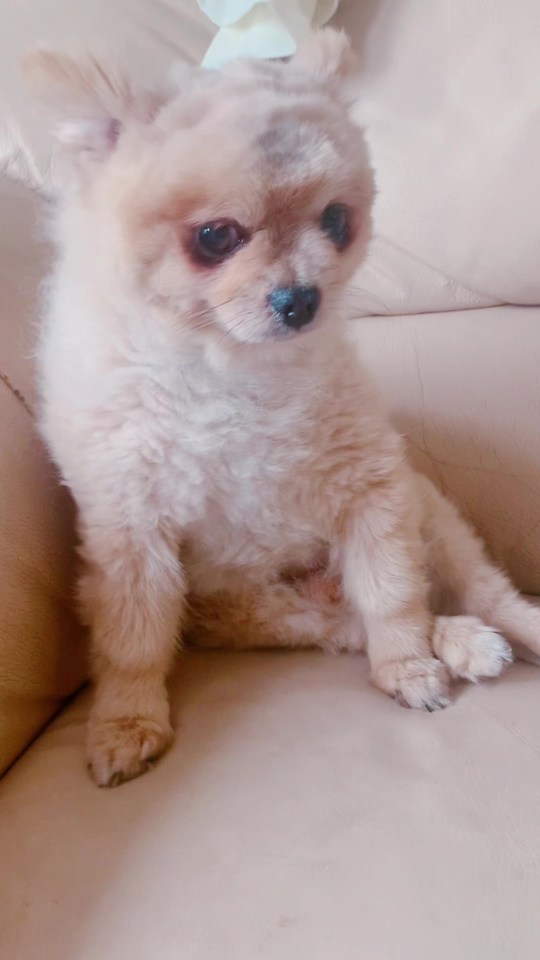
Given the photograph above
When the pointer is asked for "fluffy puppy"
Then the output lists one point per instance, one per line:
(235, 474)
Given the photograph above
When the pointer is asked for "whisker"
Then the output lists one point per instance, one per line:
(351, 289)
(235, 326)
(210, 309)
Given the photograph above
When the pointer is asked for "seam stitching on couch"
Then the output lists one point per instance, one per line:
(16, 393)
(495, 301)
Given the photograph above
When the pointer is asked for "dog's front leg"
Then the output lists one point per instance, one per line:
(383, 577)
(132, 593)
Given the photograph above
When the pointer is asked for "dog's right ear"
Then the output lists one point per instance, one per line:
(325, 55)
(90, 102)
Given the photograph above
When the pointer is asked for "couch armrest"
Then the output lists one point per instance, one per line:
(41, 645)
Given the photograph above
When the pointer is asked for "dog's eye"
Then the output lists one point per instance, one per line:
(336, 222)
(214, 242)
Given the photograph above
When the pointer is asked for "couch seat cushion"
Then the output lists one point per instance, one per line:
(299, 814)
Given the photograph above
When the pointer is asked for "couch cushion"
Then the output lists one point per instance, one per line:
(451, 99)
(463, 388)
(41, 650)
(299, 814)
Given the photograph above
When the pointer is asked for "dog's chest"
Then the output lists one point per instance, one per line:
(241, 442)
(243, 456)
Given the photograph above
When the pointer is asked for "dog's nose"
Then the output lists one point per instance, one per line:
(296, 305)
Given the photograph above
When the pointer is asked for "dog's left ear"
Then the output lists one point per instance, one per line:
(326, 55)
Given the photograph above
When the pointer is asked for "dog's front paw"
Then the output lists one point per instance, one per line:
(418, 682)
(469, 648)
(124, 748)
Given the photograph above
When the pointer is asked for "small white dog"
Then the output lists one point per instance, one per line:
(232, 466)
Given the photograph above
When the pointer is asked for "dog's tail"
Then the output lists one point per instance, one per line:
(466, 581)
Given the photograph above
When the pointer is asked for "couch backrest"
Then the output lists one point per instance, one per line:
(450, 95)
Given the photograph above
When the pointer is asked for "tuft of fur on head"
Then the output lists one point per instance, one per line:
(266, 146)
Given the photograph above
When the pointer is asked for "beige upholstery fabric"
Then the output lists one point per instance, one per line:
(450, 95)
(41, 649)
(23, 257)
(463, 387)
(300, 814)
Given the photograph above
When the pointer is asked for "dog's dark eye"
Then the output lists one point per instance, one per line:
(214, 242)
(336, 222)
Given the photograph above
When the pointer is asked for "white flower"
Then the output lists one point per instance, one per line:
(251, 28)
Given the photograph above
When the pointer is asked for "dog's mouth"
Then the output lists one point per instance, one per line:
(270, 331)
(278, 332)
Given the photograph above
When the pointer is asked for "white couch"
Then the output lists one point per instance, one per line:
(300, 813)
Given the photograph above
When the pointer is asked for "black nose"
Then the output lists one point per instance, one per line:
(296, 305)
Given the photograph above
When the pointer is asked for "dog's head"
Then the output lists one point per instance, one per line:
(237, 202)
